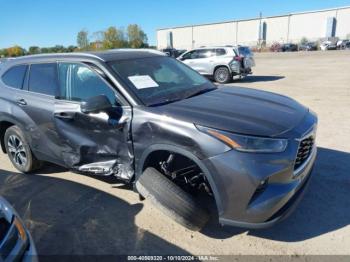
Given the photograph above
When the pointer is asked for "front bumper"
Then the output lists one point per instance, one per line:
(30, 254)
(237, 176)
(16, 243)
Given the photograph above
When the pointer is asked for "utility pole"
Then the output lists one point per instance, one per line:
(260, 31)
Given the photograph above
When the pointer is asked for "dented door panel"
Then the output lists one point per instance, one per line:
(95, 143)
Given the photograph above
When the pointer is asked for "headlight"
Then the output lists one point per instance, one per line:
(247, 143)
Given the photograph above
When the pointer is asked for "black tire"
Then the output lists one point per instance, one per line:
(171, 199)
(19, 152)
(222, 75)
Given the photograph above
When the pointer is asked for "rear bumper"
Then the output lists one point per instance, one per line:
(242, 72)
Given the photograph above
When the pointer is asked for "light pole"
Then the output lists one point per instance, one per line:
(260, 31)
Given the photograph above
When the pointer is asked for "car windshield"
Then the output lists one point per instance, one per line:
(160, 80)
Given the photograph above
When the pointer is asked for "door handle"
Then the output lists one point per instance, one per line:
(21, 102)
(65, 115)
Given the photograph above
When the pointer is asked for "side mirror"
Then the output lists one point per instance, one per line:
(96, 104)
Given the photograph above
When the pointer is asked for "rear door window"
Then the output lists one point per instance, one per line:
(220, 52)
(205, 53)
(14, 76)
(43, 79)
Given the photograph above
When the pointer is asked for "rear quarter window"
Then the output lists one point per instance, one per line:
(14, 76)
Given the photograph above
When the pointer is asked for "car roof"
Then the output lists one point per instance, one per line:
(213, 47)
(102, 56)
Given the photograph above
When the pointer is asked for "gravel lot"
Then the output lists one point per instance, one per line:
(74, 214)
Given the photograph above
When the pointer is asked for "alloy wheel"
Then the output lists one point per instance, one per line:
(17, 150)
(221, 75)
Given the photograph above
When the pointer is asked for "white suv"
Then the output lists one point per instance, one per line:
(221, 63)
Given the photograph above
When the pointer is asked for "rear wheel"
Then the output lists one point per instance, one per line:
(171, 199)
(222, 75)
(19, 151)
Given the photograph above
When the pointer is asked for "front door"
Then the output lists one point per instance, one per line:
(200, 60)
(94, 143)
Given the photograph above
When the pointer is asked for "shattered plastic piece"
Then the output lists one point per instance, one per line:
(99, 168)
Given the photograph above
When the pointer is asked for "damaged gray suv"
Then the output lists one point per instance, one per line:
(152, 121)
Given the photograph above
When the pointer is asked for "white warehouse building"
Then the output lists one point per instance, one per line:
(314, 25)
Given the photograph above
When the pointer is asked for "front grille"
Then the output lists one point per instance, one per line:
(4, 227)
(305, 149)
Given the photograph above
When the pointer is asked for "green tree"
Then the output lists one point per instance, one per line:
(136, 36)
(3, 52)
(114, 38)
(45, 50)
(83, 40)
(58, 49)
(34, 50)
(71, 48)
(303, 41)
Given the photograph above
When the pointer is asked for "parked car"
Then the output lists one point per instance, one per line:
(289, 47)
(16, 244)
(343, 44)
(328, 45)
(310, 46)
(173, 52)
(220, 63)
(151, 120)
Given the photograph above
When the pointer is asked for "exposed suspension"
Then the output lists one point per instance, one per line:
(185, 174)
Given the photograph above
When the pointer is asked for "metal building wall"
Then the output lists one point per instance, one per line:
(287, 28)
(277, 29)
(343, 23)
(310, 25)
(248, 32)
(215, 34)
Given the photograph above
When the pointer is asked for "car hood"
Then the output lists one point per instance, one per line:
(239, 110)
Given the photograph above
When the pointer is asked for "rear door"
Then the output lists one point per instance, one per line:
(95, 143)
(37, 104)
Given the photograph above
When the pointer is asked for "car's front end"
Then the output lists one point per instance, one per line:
(255, 149)
(259, 186)
(269, 155)
(16, 244)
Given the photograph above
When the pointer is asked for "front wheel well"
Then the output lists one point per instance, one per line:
(4, 125)
(181, 169)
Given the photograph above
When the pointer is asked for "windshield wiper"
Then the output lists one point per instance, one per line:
(168, 101)
(201, 92)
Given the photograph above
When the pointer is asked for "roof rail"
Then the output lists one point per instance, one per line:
(61, 54)
(153, 51)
